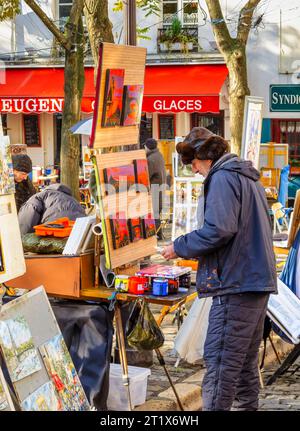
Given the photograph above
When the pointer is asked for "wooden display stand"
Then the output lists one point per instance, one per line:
(62, 276)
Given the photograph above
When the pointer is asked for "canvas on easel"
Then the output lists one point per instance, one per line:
(113, 98)
(12, 256)
(38, 362)
(7, 183)
(295, 221)
(6, 402)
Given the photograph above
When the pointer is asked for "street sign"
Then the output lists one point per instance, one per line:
(285, 98)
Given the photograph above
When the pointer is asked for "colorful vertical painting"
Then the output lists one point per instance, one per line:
(7, 183)
(113, 98)
(148, 226)
(142, 175)
(132, 104)
(119, 231)
(121, 178)
(44, 399)
(63, 374)
(18, 348)
(135, 229)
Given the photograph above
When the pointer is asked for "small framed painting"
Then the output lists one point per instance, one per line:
(132, 104)
(119, 231)
(113, 98)
(252, 128)
(148, 226)
(135, 229)
(141, 174)
(119, 177)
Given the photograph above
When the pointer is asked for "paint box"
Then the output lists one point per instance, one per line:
(173, 286)
(122, 283)
(160, 287)
(137, 285)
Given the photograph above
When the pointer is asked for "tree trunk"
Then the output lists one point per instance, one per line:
(98, 25)
(238, 89)
(73, 88)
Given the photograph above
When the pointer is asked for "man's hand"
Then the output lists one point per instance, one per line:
(168, 252)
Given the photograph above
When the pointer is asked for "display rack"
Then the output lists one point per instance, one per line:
(185, 202)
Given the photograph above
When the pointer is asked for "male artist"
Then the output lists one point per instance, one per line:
(236, 267)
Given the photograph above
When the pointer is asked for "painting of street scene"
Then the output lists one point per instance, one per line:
(61, 370)
(3, 400)
(18, 348)
(7, 184)
(44, 399)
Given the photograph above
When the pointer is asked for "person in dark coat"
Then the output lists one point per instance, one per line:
(22, 166)
(158, 178)
(236, 267)
(54, 202)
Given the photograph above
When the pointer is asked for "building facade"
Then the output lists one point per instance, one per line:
(186, 80)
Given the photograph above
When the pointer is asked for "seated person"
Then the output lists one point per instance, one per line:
(22, 167)
(54, 202)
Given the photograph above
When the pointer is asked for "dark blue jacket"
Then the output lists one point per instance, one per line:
(234, 246)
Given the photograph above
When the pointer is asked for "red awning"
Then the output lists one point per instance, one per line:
(40, 90)
(188, 88)
(172, 88)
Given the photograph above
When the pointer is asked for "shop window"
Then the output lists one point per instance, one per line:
(213, 122)
(146, 127)
(31, 128)
(4, 123)
(166, 124)
(64, 9)
(185, 10)
(287, 131)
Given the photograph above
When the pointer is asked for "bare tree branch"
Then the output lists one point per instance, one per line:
(220, 29)
(245, 20)
(48, 23)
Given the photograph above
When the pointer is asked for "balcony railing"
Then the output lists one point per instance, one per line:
(187, 42)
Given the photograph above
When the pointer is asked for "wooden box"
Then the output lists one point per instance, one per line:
(62, 276)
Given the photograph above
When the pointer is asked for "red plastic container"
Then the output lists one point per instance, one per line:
(137, 285)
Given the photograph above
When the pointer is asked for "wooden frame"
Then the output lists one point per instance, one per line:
(132, 59)
(159, 128)
(39, 145)
(135, 204)
(252, 127)
(295, 221)
(272, 152)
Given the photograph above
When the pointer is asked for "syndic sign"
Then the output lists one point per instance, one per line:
(285, 98)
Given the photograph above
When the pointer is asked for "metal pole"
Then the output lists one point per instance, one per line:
(130, 22)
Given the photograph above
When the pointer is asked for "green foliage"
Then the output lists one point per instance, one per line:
(176, 34)
(148, 6)
(8, 9)
(142, 33)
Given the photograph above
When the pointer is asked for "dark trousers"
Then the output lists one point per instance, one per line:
(231, 348)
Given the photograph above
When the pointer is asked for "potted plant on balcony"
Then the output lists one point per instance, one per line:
(176, 39)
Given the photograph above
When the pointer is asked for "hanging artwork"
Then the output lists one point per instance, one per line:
(252, 129)
(43, 399)
(135, 229)
(113, 98)
(148, 226)
(61, 370)
(2, 267)
(18, 348)
(141, 175)
(7, 183)
(121, 178)
(132, 104)
(119, 230)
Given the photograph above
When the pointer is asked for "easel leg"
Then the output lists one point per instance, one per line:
(291, 358)
(260, 378)
(274, 349)
(122, 351)
(163, 364)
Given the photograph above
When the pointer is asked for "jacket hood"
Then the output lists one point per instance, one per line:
(231, 162)
(60, 188)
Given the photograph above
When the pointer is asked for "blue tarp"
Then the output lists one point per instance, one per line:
(288, 275)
